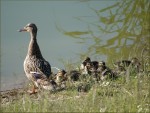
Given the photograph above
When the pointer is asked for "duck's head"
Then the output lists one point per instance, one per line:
(61, 72)
(101, 63)
(31, 27)
(87, 59)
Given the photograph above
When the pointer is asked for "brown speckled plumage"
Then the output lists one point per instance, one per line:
(34, 61)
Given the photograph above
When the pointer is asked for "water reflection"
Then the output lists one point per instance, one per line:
(117, 34)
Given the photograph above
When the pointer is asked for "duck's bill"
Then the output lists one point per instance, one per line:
(21, 30)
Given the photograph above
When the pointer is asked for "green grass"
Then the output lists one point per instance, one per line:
(120, 95)
(114, 96)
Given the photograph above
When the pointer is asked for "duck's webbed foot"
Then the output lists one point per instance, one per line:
(33, 91)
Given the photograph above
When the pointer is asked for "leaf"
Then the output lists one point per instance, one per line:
(105, 9)
(75, 33)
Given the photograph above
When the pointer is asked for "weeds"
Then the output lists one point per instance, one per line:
(106, 96)
(120, 95)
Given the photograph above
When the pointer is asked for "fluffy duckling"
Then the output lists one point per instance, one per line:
(124, 63)
(61, 78)
(122, 66)
(119, 71)
(104, 72)
(87, 66)
(136, 64)
(74, 75)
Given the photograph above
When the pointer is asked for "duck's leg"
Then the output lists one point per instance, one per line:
(33, 91)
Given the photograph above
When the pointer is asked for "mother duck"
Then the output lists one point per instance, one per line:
(36, 68)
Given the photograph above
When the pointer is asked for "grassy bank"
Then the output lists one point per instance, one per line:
(115, 96)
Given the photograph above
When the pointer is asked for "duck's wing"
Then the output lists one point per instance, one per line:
(42, 81)
(43, 67)
(37, 75)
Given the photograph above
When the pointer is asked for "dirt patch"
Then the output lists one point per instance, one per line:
(11, 95)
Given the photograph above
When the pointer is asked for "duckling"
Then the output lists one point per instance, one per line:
(122, 66)
(74, 75)
(84, 87)
(124, 63)
(104, 71)
(85, 65)
(102, 67)
(136, 64)
(88, 65)
(61, 78)
(94, 74)
(119, 71)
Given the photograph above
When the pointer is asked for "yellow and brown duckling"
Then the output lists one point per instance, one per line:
(104, 71)
(124, 63)
(122, 66)
(136, 65)
(119, 71)
(87, 66)
(60, 78)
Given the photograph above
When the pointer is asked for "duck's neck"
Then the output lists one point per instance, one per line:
(33, 49)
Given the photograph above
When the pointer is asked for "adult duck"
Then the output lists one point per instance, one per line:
(36, 68)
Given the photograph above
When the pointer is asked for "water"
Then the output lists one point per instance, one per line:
(51, 18)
